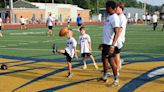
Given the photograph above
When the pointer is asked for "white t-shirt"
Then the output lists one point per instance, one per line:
(155, 17)
(69, 19)
(50, 21)
(143, 17)
(84, 43)
(22, 20)
(71, 43)
(0, 21)
(148, 17)
(123, 22)
(112, 22)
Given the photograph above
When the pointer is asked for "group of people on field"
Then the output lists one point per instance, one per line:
(112, 41)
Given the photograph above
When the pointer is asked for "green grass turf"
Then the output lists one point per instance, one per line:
(140, 39)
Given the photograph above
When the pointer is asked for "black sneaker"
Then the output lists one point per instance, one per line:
(54, 49)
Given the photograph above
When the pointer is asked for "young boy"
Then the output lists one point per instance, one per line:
(1, 27)
(22, 22)
(85, 46)
(70, 50)
(121, 39)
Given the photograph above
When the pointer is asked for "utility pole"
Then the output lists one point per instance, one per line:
(97, 6)
(52, 1)
(145, 12)
(11, 10)
(65, 1)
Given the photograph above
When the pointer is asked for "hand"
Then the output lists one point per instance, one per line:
(100, 47)
(90, 49)
(111, 50)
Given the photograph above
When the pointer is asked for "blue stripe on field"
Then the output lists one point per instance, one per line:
(139, 81)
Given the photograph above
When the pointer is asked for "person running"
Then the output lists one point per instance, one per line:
(49, 23)
(155, 21)
(85, 47)
(22, 22)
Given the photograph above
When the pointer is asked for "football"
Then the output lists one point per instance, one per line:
(63, 31)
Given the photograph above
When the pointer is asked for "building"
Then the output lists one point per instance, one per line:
(129, 12)
(162, 12)
(40, 11)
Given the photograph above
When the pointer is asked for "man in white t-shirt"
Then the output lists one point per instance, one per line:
(148, 18)
(1, 27)
(111, 33)
(121, 39)
(155, 21)
(49, 23)
(22, 22)
(85, 47)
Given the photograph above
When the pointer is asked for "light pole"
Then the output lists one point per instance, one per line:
(65, 1)
(11, 8)
(145, 12)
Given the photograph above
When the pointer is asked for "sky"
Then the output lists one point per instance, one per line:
(153, 2)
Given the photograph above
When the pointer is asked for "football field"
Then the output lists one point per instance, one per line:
(33, 67)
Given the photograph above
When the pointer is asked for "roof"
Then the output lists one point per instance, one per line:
(23, 4)
(162, 9)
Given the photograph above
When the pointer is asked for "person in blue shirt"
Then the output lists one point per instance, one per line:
(79, 21)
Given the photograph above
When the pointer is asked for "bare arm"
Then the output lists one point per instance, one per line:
(117, 31)
(76, 56)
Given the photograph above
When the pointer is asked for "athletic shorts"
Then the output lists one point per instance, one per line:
(0, 28)
(67, 56)
(79, 25)
(85, 54)
(155, 24)
(105, 51)
(50, 27)
(22, 23)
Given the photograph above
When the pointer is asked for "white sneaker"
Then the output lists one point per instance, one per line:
(85, 67)
(115, 83)
(96, 67)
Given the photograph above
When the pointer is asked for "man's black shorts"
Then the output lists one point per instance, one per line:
(67, 56)
(22, 23)
(105, 51)
(0, 28)
(50, 27)
(79, 25)
(85, 54)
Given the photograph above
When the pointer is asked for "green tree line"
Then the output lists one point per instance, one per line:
(91, 4)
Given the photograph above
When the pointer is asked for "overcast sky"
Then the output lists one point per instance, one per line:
(154, 2)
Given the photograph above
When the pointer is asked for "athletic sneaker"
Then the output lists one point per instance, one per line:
(54, 48)
(115, 83)
(96, 67)
(85, 67)
(69, 75)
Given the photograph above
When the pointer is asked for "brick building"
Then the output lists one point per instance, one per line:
(40, 11)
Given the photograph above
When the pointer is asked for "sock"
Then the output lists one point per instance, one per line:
(115, 77)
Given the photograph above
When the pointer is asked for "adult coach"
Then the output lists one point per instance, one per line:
(111, 33)
(155, 21)
(79, 21)
(49, 23)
